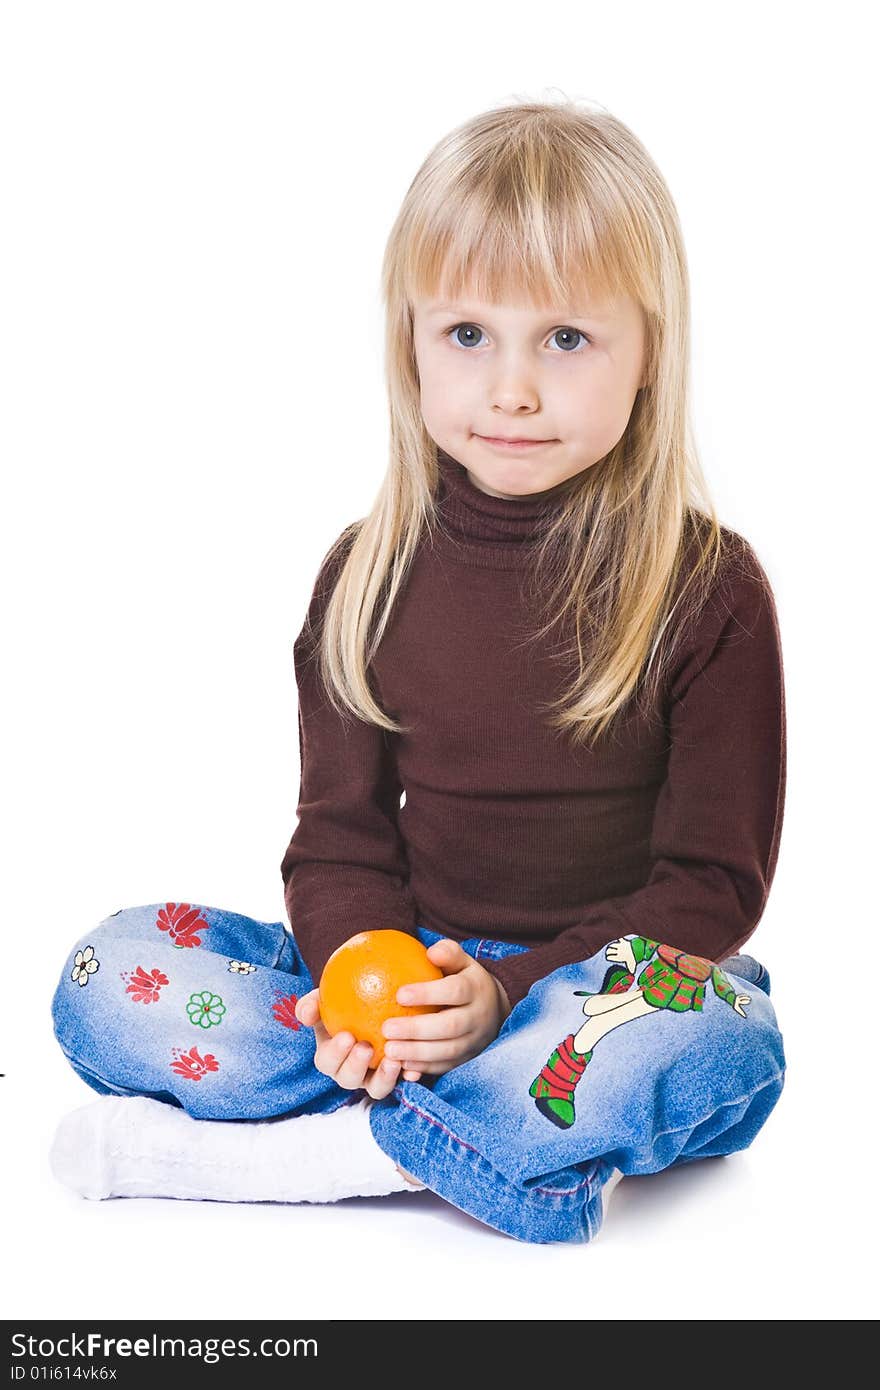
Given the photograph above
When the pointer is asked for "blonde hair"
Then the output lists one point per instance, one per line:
(543, 200)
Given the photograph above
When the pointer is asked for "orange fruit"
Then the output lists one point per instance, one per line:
(359, 983)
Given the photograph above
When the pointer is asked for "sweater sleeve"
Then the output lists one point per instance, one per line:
(345, 869)
(718, 816)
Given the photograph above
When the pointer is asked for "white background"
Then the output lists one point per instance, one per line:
(196, 198)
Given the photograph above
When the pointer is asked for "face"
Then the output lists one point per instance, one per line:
(565, 377)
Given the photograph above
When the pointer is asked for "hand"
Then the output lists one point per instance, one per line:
(475, 1006)
(622, 950)
(739, 1002)
(346, 1060)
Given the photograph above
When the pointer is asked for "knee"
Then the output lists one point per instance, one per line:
(76, 985)
(88, 955)
(86, 965)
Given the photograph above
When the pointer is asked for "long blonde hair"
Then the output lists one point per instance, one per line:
(549, 199)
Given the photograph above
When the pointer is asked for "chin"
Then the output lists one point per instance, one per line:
(518, 476)
(519, 487)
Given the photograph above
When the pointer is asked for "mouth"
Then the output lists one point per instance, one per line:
(515, 444)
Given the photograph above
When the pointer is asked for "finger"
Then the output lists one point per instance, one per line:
(424, 1052)
(381, 1082)
(432, 1068)
(334, 1051)
(452, 1023)
(452, 989)
(351, 1073)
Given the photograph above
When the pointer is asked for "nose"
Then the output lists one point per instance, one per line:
(513, 391)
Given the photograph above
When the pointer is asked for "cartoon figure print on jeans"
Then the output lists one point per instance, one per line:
(674, 981)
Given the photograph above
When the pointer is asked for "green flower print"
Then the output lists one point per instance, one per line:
(205, 1008)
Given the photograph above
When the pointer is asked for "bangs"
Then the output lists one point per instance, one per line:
(528, 243)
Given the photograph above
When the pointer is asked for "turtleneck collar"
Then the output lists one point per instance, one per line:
(487, 530)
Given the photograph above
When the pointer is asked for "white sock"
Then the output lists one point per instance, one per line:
(607, 1190)
(132, 1146)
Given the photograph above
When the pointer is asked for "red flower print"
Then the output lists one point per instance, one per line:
(191, 1064)
(144, 985)
(283, 1010)
(182, 921)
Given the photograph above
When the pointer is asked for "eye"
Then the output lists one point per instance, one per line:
(569, 333)
(468, 327)
(572, 334)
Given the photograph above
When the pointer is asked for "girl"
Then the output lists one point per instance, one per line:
(574, 671)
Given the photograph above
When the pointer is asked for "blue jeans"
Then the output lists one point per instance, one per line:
(638, 1058)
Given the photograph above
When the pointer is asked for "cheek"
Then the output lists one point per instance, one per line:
(442, 395)
(602, 408)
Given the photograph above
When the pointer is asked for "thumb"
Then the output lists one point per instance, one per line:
(448, 955)
(306, 1008)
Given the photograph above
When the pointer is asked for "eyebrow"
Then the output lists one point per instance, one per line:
(590, 317)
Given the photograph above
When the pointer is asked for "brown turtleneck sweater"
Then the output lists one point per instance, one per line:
(669, 829)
